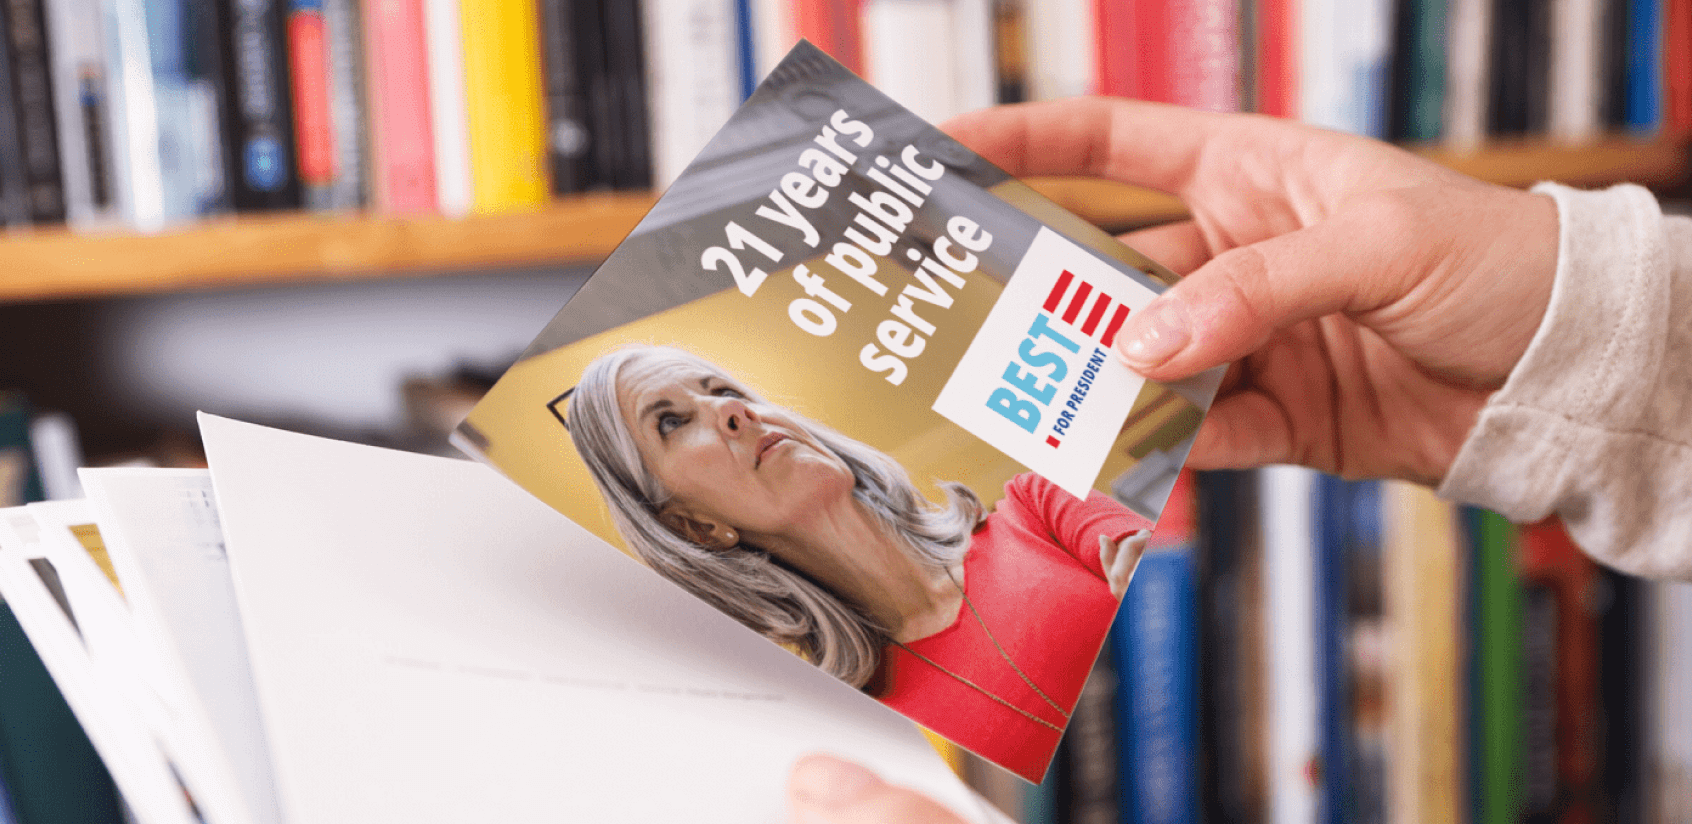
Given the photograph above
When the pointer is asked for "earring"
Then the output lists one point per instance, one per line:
(732, 537)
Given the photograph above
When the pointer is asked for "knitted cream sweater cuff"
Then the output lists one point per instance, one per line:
(1595, 421)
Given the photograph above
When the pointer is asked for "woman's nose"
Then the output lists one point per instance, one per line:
(733, 413)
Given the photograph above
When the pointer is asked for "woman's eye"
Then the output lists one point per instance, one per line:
(668, 422)
(728, 392)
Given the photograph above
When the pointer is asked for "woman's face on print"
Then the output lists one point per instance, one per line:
(725, 458)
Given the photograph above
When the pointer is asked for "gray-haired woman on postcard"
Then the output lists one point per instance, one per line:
(980, 626)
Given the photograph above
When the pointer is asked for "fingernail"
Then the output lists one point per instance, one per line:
(825, 781)
(1154, 334)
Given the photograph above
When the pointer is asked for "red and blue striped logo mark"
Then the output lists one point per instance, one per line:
(1102, 306)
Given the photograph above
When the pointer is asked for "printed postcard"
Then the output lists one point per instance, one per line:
(852, 385)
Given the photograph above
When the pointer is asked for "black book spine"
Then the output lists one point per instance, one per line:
(257, 109)
(593, 65)
(568, 135)
(1613, 45)
(1624, 641)
(97, 137)
(30, 95)
(1089, 793)
(1225, 790)
(344, 27)
(14, 204)
(1401, 77)
(1521, 68)
(626, 52)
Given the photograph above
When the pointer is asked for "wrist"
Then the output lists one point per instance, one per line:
(1587, 366)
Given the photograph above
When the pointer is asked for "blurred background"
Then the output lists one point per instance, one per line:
(347, 217)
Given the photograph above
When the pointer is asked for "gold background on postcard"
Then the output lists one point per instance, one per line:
(820, 377)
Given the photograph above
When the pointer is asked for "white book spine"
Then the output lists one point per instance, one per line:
(1466, 72)
(79, 88)
(449, 114)
(692, 78)
(136, 171)
(1319, 83)
(774, 31)
(1062, 47)
(1286, 496)
(1576, 70)
(58, 454)
(1671, 736)
(1343, 52)
(911, 54)
(977, 69)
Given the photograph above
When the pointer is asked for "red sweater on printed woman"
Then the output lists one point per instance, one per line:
(1033, 573)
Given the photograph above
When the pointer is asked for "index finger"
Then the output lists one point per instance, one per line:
(1154, 145)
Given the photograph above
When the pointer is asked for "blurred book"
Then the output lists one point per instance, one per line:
(1423, 608)
(1287, 506)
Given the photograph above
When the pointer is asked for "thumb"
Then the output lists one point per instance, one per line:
(826, 790)
(1230, 306)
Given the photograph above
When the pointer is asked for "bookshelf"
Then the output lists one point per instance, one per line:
(59, 264)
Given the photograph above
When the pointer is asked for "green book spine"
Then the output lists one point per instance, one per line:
(1498, 660)
(1416, 108)
(19, 482)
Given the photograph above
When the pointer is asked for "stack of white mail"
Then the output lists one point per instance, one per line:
(315, 631)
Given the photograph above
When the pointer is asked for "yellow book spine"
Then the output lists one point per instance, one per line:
(504, 104)
(1424, 610)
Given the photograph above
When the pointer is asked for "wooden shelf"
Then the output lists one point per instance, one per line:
(1657, 162)
(1660, 162)
(244, 251)
(60, 264)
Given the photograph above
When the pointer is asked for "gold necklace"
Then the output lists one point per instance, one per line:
(1002, 654)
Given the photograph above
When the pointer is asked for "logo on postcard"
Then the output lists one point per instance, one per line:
(1038, 382)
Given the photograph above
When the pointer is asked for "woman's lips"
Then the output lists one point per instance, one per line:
(765, 444)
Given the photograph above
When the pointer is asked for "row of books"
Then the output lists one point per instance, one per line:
(1305, 649)
(148, 114)
(1458, 71)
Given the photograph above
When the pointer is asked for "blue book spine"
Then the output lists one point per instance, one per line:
(1644, 65)
(1333, 513)
(1039, 804)
(746, 47)
(8, 815)
(1351, 748)
(1120, 654)
(1157, 653)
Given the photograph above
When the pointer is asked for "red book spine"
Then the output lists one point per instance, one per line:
(1170, 51)
(308, 64)
(1119, 42)
(1277, 57)
(402, 140)
(1200, 65)
(1152, 56)
(1677, 65)
(836, 27)
(1550, 560)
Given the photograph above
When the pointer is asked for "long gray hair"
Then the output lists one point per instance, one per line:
(745, 581)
